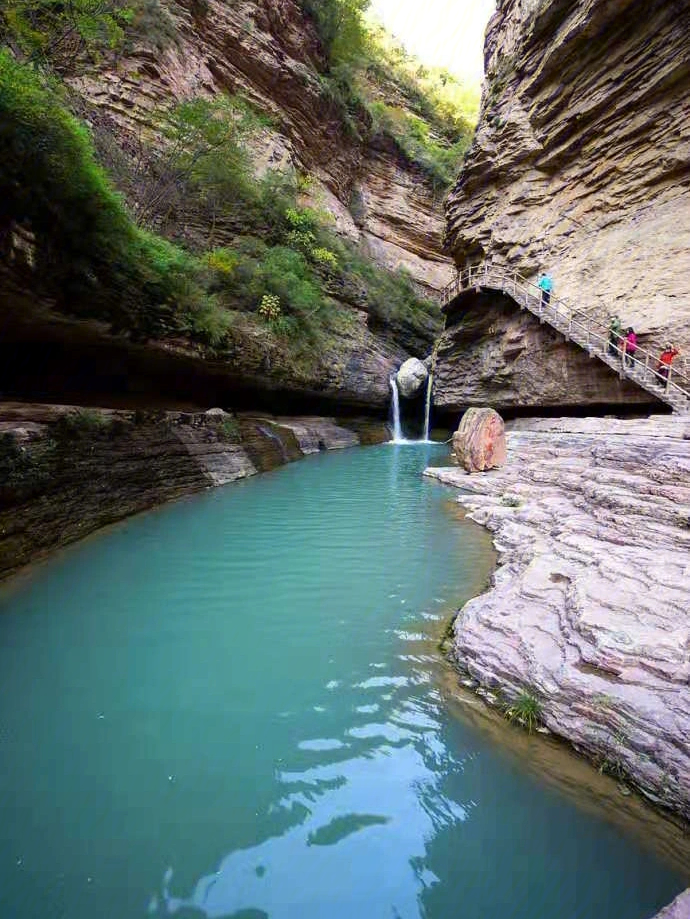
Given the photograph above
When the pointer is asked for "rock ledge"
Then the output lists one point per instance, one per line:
(590, 604)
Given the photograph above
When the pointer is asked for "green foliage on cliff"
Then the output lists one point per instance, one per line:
(89, 254)
(97, 258)
(45, 30)
(381, 89)
(65, 36)
(340, 25)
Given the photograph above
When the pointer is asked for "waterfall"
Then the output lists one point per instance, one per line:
(427, 407)
(397, 429)
(271, 435)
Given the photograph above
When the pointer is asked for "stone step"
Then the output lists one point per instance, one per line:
(643, 377)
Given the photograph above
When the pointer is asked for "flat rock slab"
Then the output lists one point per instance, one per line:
(590, 604)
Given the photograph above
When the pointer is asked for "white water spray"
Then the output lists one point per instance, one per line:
(427, 407)
(397, 429)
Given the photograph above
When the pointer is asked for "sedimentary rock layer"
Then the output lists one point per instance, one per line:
(65, 472)
(679, 909)
(494, 354)
(590, 605)
(268, 52)
(46, 356)
(581, 161)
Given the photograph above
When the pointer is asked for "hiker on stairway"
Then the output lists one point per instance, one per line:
(545, 284)
(629, 347)
(663, 368)
(615, 336)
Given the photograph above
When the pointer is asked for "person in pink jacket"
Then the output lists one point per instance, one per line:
(629, 347)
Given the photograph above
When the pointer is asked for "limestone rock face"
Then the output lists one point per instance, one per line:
(479, 442)
(581, 162)
(493, 353)
(411, 377)
(268, 51)
(65, 471)
(679, 909)
(590, 605)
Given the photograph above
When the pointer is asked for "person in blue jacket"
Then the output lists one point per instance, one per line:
(546, 286)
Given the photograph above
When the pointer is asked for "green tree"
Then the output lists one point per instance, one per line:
(341, 28)
(58, 32)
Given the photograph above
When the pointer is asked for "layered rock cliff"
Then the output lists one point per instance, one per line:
(269, 52)
(580, 166)
(589, 610)
(65, 471)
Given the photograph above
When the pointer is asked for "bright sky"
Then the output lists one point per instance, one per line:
(443, 33)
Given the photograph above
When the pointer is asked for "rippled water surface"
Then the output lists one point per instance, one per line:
(230, 708)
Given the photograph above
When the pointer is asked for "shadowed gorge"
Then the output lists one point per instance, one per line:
(235, 234)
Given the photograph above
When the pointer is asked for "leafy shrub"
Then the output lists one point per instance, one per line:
(223, 261)
(229, 430)
(59, 33)
(151, 23)
(270, 310)
(325, 257)
(340, 26)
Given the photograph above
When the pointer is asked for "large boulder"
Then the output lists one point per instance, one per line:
(480, 440)
(411, 377)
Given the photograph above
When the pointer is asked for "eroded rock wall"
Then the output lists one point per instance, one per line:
(494, 354)
(581, 161)
(268, 51)
(65, 472)
(589, 610)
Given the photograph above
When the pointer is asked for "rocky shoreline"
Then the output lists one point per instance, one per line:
(66, 471)
(589, 610)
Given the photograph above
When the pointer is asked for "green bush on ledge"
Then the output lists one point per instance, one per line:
(526, 710)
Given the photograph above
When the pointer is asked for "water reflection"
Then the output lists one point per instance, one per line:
(274, 739)
(360, 843)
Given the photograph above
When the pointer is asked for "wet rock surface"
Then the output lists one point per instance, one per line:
(479, 442)
(679, 909)
(65, 471)
(590, 605)
(581, 166)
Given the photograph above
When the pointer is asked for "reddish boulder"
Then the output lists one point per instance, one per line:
(480, 441)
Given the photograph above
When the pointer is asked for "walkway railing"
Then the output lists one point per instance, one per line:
(580, 327)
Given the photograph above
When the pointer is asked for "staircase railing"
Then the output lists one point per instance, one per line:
(578, 326)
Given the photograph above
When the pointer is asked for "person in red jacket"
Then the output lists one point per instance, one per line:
(665, 360)
(629, 347)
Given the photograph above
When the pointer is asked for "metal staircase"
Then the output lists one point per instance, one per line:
(577, 326)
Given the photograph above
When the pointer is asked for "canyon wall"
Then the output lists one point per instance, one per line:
(65, 472)
(268, 51)
(580, 166)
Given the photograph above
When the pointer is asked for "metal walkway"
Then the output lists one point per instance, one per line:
(577, 326)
